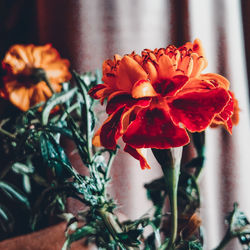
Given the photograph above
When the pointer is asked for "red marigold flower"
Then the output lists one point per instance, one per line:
(23, 64)
(155, 98)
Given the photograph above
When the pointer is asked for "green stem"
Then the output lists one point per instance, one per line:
(171, 175)
(112, 227)
(4, 132)
(171, 170)
(110, 162)
(224, 241)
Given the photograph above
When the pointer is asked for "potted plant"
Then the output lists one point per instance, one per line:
(158, 100)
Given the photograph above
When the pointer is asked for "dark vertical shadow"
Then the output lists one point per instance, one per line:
(226, 165)
(245, 6)
(179, 22)
(58, 23)
(17, 23)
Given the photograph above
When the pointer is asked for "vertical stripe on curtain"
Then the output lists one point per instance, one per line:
(225, 178)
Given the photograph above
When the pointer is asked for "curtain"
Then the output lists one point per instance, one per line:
(88, 32)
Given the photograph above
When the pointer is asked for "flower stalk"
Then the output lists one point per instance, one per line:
(112, 227)
(170, 163)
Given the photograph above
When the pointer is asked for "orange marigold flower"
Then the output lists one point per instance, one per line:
(25, 64)
(155, 98)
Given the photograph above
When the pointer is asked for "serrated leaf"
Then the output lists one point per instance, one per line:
(14, 194)
(82, 82)
(56, 99)
(80, 142)
(239, 225)
(237, 219)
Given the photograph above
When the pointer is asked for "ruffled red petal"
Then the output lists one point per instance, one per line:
(97, 91)
(196, 110)
(225, 116)
(127, 101)
(169, 87)
(137, 155)
(110, 131)
(153, 128)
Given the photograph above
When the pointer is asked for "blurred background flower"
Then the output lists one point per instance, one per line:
(29, 70)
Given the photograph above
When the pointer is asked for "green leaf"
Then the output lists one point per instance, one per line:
(188, 193)
(239, 225)
(199, 142)
(6, 220)
(83, 82)
(26, 184)
(130, 238)
(150, 242)
(14, 194)
(80, 142)
(156, 192)
(78, 234)
(21, 168)
(56, 99)
(54, 156)
(61, 130)
(193, 245)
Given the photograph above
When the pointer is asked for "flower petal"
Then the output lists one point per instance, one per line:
(200, 63)
(123, 100)
(128, 73)
(166, 69)
(151, 70)
(110, 130)
(196, 110)
(229, 116)
(186, 65)
(97, 91)
(20, 98)
(143, 88)
(153, 128)
(216, 79)
(96, 141)
(136, 153)
(169, 87)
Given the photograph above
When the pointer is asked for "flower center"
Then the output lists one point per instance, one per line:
(164, 87)
(33, 77)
